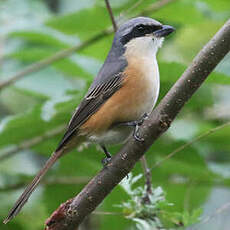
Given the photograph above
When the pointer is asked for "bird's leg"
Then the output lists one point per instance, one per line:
(136, 125)
(108, 157)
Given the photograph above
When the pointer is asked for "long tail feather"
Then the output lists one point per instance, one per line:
(31, 187)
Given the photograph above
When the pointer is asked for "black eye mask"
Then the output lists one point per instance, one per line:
(139, 31)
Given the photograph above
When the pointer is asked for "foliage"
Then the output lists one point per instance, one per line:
(194, 179)
(152, 215)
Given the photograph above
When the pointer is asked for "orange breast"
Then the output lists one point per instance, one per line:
(126, 104)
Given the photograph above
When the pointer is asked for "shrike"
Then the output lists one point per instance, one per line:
(123, 93)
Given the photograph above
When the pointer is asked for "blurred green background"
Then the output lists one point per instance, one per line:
(35, 109)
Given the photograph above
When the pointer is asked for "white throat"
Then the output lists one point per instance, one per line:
(143, 47)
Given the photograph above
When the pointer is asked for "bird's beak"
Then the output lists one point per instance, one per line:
(164, 31)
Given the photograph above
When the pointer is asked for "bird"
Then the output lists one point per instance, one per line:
(120, 98)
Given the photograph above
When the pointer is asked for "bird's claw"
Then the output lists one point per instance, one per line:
(142, 119)
(137, 126)
(106, 160)
(136, 135)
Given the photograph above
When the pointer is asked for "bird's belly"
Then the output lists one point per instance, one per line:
(112, 136)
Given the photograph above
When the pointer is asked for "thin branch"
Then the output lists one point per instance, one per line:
(155, 7)
(64, 180)
(67, 52)
(5, 154)
(182, 147)
(147, 11)
(70, 214)
(56, 57)
(108, 213)
(218, 211)
(111, 15)
(67, 180)
(148, 182)
(51, 181)
(134, 6)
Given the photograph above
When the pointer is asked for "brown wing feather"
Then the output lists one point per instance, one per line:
(95, 98)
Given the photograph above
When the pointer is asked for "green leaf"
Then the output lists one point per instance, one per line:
(39, 38)
(169, 13)
(220, 6)
(29, 98)
(32, 124)
(180, 174)
(67, 66)
(72, 23)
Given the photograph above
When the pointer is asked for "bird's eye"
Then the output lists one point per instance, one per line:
(141, 29)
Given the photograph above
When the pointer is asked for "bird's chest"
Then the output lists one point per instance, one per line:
(142, 84)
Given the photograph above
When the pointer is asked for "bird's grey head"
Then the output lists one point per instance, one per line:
(138, 37)
(141, 35)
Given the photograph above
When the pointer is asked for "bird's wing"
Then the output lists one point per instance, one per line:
(95, 97)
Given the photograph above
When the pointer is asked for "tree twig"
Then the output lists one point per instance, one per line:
(70, 214)
(84, 179)
(50, 181)
(134, 6)
(111, 15)
(108, 213)
(218, 211)
(5, 154)
(155, 7)
(67, 52)
(182, 147)
(56, 57)
(148, 183)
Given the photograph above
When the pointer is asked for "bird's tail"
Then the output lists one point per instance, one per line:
(30, 188)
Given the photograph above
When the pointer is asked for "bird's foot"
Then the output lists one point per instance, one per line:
(105, 161)
(108, 157)
(136, 134)
(136, 125)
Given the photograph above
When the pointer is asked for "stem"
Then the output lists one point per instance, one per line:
(56, 57)
(182, 147)
(111, 15)
(31, 142)
(147, 173)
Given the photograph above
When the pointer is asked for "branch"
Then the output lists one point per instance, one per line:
(182, 147)
(111, 15)
(155, 7)
(51, 181)
(147, 174)
(31, 142)
(70, 214)
(225, 207)
(56, 57)
(35, 67)
(134, 6)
